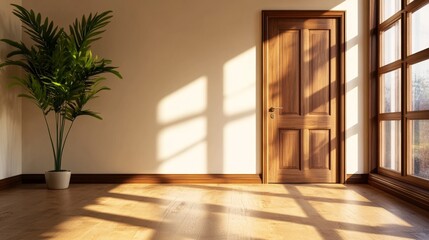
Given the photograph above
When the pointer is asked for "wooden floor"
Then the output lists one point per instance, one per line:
(143, 211)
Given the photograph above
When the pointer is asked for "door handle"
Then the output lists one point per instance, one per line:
(272, 109)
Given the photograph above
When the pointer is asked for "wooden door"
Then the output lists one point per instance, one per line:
(302, 72)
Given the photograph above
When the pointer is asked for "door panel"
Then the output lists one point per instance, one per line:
(289, 68)
(290, 152)
(319, 149)
(319, 72)
(301, 62)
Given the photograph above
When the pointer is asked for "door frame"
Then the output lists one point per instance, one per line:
(340, 17)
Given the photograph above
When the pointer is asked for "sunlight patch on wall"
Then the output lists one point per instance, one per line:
(182, 147)
(239, 91)
(193, 160)
(353, 31)
(352, 116)
(182, 141)
(353, 146)
(353, 60)
(352, 17)
(239, 144)
(180, 137)
(239, 77)
(188, 101)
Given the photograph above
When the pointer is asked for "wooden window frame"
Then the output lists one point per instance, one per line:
(375, 71)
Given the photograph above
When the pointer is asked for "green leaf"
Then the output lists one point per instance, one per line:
(23, 95)
(90, 113)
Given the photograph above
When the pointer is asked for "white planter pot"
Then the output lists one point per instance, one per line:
(57, 180)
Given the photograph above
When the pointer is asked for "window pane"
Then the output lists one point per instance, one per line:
(391, 44)
(391, 145)
(390, 92)
(420, 86)
(419, 161)
(388, 8)
(420, 29)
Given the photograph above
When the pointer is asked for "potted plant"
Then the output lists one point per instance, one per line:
(61, 75)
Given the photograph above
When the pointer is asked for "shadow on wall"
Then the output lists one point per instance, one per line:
(10, 105)
(190, 98)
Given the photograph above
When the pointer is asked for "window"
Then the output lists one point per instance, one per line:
(391, 42)
(402, 90)
(419, 29)
(419, 152)
(390, 85)
(388, 8)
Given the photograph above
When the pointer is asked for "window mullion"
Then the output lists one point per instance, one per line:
(404, 89)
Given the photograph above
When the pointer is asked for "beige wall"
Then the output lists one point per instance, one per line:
(190, 99)
(10, 105)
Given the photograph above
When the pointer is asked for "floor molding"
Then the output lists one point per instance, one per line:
(152, 178)
(357, 178)
(407, 192)
(10, 182)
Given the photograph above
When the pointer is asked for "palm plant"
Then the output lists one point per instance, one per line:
(61, 73)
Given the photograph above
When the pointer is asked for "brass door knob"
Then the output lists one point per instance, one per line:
(272, 109)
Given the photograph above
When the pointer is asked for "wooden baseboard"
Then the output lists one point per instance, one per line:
(356, 178)
(407, 192)
(10, 182)
(152, 178)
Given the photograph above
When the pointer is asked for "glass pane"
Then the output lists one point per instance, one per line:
(420, 86)
(391, 44)
(391, 145)
(390, 92)
(419, 157)
(388, 8)
(420, 29)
